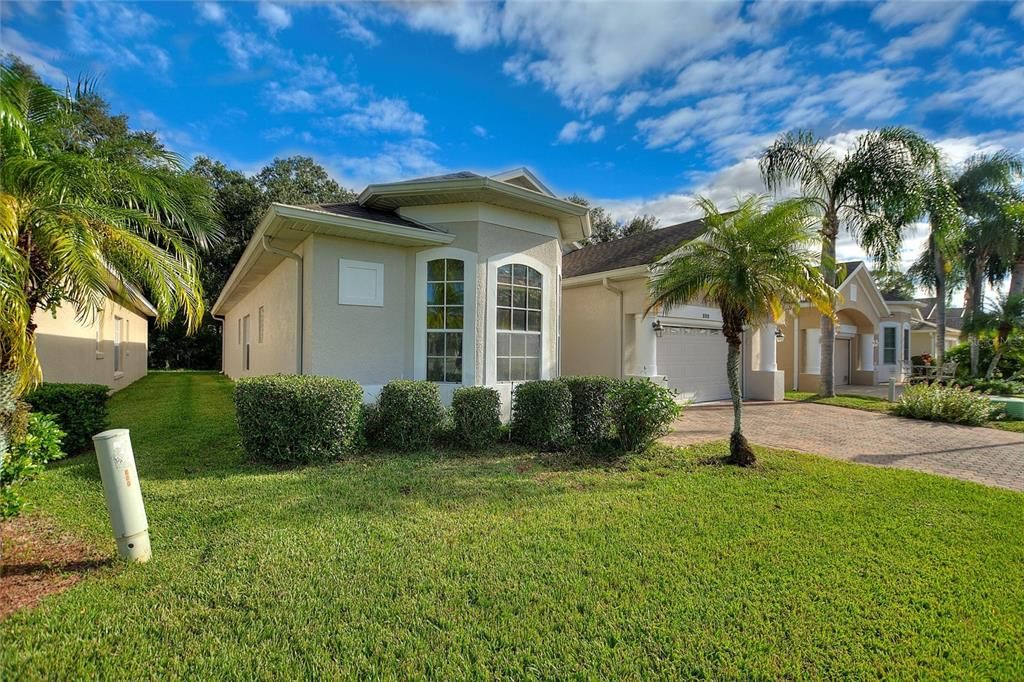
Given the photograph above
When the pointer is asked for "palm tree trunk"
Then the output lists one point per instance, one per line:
(1017, 276)
(740, 452)
(8, 411)
(973, 297)
(940, 300)
(829, 232)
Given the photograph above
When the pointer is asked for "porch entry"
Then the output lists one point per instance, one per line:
(841, 362)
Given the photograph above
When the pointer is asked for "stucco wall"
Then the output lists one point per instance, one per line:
(364, 343)
(276, 354)
(590, 331)
(83, 352)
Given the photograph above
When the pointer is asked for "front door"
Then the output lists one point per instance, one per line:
(841, 362)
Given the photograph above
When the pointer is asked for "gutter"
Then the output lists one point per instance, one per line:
(270, 248)
(617, 292)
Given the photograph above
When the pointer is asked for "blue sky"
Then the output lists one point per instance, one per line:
(637, 105)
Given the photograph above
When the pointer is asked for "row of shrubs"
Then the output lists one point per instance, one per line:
(80, 411)
(297, 419)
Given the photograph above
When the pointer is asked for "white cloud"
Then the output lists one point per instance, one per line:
(350, 26)
(934, 25)
(751, 72)
(1018, 11)
(985, 41)
(472, 24)
(211, 12)
(386, 115)
(574, 131)
(411, 158)
(707, 118)
(283, 98)
(275, 134)
(39, 57)
(274, 16)
(988, 92)
(844, 43)
(479, 131)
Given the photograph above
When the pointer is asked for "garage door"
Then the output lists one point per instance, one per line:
(694, 362)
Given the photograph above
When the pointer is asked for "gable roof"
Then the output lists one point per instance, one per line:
(638, 249)
(353, 209)
(954, 316)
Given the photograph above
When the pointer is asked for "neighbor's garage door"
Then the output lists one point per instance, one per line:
(694, 362)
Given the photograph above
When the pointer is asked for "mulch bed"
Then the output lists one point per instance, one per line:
(37, 559)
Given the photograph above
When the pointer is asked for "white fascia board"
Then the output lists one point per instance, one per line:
(631, 272)
(528, 174)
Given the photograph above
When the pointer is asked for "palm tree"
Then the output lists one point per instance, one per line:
(752, 263)
(80, 215)
(1015, 212)
(1006, 317)
(874, 189)
(986, 186)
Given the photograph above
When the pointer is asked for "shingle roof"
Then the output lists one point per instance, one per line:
(459, 175)
(639, 249)
(355, 210)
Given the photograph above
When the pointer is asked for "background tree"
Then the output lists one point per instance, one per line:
(752, 263)
(603, 228)
(874, 189)
(79, 207)
(894, 283)
(1005, 318)
(1015, 213)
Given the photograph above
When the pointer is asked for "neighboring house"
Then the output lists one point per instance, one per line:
(921, 341)
(109, 346)
(453, 279)
(605, 329)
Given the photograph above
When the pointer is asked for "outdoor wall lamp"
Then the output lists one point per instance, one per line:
(658, 328)
(779, 336)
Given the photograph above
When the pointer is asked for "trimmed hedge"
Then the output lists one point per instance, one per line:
(542, 415)
(591, 413)
(476, 416)
(80, 411)
(299, 419)
(642, 412)
(409, 414)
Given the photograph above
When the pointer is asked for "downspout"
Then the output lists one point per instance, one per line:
(223, 338)
(617, 292)
(267, 246)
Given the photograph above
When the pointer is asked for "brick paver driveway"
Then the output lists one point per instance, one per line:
(977, 454)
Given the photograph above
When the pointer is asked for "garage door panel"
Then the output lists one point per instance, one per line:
(693, 360)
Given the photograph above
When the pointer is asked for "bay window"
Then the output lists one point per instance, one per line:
(518, 321)
(445, 319)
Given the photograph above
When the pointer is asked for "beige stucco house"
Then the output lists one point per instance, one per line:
(108, 346)
(453, 279)
(605, 329)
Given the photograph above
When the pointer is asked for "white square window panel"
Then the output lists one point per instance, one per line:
(360, 283)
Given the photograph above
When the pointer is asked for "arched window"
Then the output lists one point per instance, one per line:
(518, 323)
(445, 315)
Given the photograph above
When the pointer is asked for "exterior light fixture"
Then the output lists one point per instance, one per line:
(658, 328)
(779, 336)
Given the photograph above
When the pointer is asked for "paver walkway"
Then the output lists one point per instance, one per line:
(978, 454)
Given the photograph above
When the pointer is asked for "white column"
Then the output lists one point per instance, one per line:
(867, 352)
(812, 357)
(768, 344)
(646, 347)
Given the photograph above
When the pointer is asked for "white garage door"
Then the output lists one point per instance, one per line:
(694, 362)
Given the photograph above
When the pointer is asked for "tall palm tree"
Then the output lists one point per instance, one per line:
(1005, 318)
(78, 217)
(1015, 213)
(874, 189)
(752, 263)
(986, 186)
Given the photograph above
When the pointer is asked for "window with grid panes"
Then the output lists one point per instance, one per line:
(445, 314)
(518, 323)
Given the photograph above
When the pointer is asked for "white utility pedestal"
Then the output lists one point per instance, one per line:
(123, 493)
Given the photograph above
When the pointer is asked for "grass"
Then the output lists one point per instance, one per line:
(873, 404)
(516, 565)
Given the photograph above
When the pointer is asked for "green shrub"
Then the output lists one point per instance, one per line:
(952, 404)
(591, 416)
(26, 458)
(1011, 363)
(993, 386)
(409, 414)
(80, 410)
(542, 415)
(298, 419)
(476, 416)
(642, 412)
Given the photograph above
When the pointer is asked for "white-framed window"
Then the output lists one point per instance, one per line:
(889, 345)
(360, 283)
(853, 291)
(446, 319)
(246, 346)
(259, 326)
(118, 363)
(906, 344)
(519, 321)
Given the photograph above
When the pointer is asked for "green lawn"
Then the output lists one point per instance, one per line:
(872, 404)
(517, 566)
